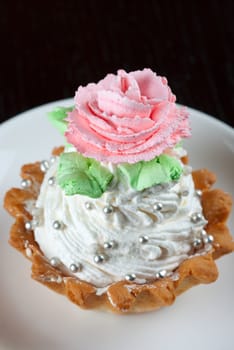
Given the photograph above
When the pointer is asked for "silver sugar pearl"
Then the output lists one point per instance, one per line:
(75, 267)
(51, 181)
(99, 258)
(57, 225)
(52, 159)
(109, 245)
(211, 238)
(199, 193)
(28, 225)
(44, 166)
(130, 277)
(56, 279)
(88, 205)
(196, 217)
(54, 261)
(59, 279)
(26, 183)
(143, 239)
(203, 233)
(161, 274)
(108, 209)
(157, 206)
(197, 243)
(208, 239)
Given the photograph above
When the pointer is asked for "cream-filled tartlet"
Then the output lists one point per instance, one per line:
(124, 234)
(116, 219)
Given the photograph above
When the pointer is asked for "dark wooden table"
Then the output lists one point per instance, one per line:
(49, 48)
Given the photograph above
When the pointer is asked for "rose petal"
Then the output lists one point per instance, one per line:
(75, 116)
(113, 103)
(129, 86)
(135, 123)
(151, 85)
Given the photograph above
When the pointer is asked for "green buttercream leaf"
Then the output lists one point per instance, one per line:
(171, 166)
(57, 118)
(80, 175)
(159, 170)
(100, 174)
(152, 173)
(132, 172)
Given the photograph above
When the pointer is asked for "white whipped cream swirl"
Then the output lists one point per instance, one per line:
(168, 233)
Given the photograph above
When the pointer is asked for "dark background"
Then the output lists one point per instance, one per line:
(48, 48)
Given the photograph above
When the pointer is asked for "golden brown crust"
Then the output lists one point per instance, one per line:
(203, 179)
(123, 297)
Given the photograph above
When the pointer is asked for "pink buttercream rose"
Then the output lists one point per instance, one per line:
(126, 117)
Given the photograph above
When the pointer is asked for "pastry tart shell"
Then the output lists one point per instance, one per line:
(124, 296)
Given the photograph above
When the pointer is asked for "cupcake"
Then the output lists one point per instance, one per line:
(116, 219)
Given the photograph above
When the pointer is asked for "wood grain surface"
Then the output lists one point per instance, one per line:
(49, 48)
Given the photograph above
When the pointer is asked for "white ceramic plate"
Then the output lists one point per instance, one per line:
(35, 318)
